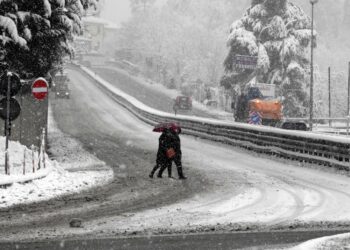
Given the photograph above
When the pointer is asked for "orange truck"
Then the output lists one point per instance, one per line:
(253, 101)
(270, 110)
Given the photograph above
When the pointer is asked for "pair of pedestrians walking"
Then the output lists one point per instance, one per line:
(169, 151)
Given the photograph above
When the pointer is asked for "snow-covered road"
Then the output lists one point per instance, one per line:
(247, 189)
(228, 189)
(254, 192)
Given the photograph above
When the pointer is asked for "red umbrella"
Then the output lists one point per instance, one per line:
(169, 125)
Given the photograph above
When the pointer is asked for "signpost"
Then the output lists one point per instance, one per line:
(245, 62)
(40, 89)
(10, 84)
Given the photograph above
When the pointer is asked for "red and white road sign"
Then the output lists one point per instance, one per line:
(40, 88)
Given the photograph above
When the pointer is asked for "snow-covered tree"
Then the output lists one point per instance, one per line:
(279, 33)
(184, 38)
(34, 35)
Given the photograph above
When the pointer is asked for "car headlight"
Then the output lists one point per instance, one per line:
(57, 93)
(67, 93)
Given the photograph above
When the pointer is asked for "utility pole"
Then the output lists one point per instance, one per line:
(7, 122)
(329, 97)
(348, 109)
(313, 2)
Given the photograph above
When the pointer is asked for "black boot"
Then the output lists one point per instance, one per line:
(161, 170)
(180, 173)
(153, 171)
(169, 172)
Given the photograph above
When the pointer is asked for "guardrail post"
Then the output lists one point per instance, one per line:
(33, 158)
(8, 162)
(43, 148)
(39, 158)
(24, 161)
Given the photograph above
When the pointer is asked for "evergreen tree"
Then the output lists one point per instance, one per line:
(278, 32)
(35, 35)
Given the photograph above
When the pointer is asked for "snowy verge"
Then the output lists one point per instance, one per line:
(69, 152)
(6, 180)
(73, 170)
(57, 183)
(341, 241)
(23, 164)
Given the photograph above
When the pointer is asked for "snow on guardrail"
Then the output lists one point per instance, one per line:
(296, 145)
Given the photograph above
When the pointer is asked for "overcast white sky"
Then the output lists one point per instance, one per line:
(116, 11)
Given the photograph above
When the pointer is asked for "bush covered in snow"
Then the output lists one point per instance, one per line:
(34, 34)
(279, 33)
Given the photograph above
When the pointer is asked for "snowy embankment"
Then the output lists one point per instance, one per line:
(172, 93)
(213, 122)
(341, 242)
(298, 145)
(222, 115)
(72, 171)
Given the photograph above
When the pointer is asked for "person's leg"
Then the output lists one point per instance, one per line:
(154, 170)
(178, 164)
(163, 166)
(180, 173)
(170, 170)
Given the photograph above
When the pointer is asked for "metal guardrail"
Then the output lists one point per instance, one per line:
(295, 145)
(331, 121)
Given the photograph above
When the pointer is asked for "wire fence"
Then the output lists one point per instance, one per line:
(33, 160)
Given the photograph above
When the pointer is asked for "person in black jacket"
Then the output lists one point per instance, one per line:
(162, 160)
(173, 142)
(169, 140)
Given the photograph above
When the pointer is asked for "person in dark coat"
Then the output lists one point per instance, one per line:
(242, 108)
(169, 140)
(174, 143)
(162, 160)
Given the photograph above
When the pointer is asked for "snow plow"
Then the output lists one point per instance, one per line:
(268, 109)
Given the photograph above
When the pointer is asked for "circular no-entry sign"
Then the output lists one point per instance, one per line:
(15, 84)
(15, 109)
(40, 88)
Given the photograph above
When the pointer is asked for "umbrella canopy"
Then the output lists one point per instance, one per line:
(169, 125)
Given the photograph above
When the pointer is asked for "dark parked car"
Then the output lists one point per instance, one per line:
(183, 103)
(59, 79)
(62, 91)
